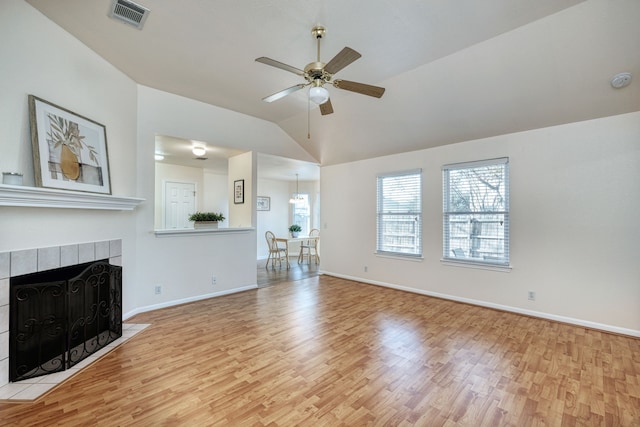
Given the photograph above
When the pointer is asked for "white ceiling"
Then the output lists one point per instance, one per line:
(453, 70)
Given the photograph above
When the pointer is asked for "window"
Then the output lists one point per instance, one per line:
(301, 212)
(476, 211)
(399, 224)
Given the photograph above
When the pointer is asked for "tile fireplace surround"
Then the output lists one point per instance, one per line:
(17, 263)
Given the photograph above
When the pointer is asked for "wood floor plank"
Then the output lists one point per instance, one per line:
(323, 351)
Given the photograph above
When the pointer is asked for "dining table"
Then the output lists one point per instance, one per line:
(287, 240)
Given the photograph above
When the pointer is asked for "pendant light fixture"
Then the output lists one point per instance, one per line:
(296, 198)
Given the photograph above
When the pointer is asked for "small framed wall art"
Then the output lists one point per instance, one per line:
(238, 191)
(263, 203)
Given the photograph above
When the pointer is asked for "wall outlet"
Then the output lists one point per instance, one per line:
(531, 296)
(214, 280)
(366, 268)
(158, 289)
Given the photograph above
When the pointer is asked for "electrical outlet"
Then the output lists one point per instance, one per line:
(366, 268)
(531, 296)
(214, 280)
(158, 289)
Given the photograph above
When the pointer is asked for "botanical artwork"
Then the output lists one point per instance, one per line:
(70, 151)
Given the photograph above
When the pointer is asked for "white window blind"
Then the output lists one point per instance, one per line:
(399, 216)
(476, 212)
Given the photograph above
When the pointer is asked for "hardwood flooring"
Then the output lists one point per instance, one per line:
(323, 351)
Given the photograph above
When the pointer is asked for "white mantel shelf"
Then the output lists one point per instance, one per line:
(36, 197)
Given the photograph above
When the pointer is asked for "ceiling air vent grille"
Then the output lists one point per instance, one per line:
(129, 12)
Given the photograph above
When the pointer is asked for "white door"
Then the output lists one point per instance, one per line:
(179, 203)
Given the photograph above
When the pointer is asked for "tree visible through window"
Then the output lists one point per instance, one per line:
(476, 211)
(399, 223)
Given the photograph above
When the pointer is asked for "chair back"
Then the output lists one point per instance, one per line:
(271, 240)
(314, 233)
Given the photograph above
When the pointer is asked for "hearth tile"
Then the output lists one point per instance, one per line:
(4, 318)
(115, 247)
(9, 390)
(55, 378)
(33, 391)
(86, 252)
(24, 262)
(116, 260)
(4, 371)
(4, 291)
(102, 250)
(48, 258)
(68, 255)
(5, 263)
(4, 345)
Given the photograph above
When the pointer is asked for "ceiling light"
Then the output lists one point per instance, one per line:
(621, 80)
(318, 94)
(199, 151)
(159, 156)
(297, 198)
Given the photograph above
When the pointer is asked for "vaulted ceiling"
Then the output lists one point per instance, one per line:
(453, 70)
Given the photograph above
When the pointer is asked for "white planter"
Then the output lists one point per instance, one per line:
(205, 224)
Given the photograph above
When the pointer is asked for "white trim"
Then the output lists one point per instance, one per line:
(538, 314)
(194, 231)
(479, 265)
(185, 301)
(36, 197)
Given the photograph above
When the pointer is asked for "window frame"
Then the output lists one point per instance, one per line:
(500, 217)
(381, 247)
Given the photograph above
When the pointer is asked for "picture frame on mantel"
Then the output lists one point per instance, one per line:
(238, 191)
(69, 150)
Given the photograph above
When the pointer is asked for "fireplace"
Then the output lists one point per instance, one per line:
(40, 260)
(60, 317)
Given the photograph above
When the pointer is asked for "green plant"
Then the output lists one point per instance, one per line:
(295, 228)
(206, 216)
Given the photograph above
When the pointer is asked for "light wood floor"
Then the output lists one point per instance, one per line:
(324, 351)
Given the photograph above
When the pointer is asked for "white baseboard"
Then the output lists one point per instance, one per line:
(532, 313)
(166, 304)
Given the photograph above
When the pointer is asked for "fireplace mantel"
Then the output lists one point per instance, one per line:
(36, 197)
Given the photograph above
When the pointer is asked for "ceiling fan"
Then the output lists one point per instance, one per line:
(317, 74)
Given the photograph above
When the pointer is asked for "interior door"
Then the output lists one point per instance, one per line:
(179, 203)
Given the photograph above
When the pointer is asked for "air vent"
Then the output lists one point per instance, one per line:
(129, 13)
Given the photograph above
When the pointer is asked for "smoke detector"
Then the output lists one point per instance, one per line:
(621, 80)
(129, 12)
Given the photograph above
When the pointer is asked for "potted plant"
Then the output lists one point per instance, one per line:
(295, 229)
(206, 219)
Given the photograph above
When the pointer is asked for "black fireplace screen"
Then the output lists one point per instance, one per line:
(59, 317)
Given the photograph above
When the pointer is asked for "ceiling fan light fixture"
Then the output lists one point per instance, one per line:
(318, 94)
(199, 151)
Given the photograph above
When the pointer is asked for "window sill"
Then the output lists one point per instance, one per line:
(476, 265)
(201, 231)
(413, 258)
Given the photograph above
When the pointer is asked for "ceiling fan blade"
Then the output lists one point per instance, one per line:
(345, 57)
(326, 108)
(361, 88)
(283, 93)
(278, 64)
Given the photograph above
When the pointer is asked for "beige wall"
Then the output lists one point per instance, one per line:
(575, 198)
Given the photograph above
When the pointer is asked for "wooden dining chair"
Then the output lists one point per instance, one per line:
(276, 252)
(309, 247)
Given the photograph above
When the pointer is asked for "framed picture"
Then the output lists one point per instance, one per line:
(69, 150)
(238, 191)
(264, 203)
